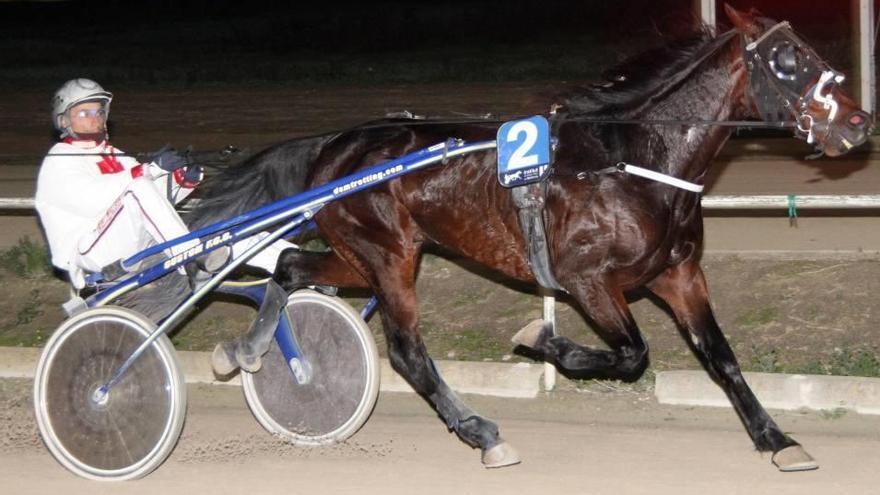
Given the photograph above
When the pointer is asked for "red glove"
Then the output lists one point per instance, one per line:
(189, 177)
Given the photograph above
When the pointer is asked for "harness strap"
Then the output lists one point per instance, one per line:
(628, 168)
(751, 46)
(529, 201)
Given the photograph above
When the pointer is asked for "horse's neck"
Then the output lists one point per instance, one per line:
(685, 151)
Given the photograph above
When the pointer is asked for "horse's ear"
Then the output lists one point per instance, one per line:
(744, 22)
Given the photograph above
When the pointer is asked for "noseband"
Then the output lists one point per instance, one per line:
(780, 66)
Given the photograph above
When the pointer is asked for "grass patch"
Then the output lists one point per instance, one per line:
(756, 317)
(843, 362)
(27, 259)
(31, 309)
(473, 344)
(470, 297)
(848, 362)
(765, 361)
(644, 384)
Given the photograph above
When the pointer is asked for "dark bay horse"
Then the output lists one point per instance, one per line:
(608, 233)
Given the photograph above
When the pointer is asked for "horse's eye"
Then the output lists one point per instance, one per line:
(784, 60)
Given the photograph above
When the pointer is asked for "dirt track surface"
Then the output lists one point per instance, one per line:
(596, 441)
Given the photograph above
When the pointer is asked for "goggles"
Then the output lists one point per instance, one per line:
(92, 113)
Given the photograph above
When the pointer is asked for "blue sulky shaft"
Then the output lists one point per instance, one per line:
(300, 208)
(332, 191)
(253, 221)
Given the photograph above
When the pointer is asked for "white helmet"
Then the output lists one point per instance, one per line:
(74, 92)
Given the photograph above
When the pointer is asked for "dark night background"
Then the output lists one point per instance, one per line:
(194, 43)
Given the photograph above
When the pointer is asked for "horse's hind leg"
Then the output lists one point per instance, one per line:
(410, 358)
(606, 306)
(389, 262)
(683, 287)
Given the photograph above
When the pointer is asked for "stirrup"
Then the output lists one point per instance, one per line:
(74, 305)
(113, 271)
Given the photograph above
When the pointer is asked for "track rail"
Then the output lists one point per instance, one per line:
(712, 202)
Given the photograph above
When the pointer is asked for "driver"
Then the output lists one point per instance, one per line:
(99, 205)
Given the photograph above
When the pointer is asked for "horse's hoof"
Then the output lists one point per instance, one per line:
(530, 335)
(250, 362)
(500, 455)
(223, 360)
(794, 458)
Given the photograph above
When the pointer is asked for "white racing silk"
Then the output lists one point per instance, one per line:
(97, 207)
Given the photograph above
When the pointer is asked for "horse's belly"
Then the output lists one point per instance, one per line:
(477, 229)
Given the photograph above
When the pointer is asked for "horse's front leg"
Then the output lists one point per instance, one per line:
(684, 288)
(606, 305)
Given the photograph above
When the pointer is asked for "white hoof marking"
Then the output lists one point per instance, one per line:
(794, 458)
(500, 455)
(529, 334)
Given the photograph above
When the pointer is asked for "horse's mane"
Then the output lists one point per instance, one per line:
(281, 170)
(634, 81)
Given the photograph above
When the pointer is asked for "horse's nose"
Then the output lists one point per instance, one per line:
(858, 120)
(859, 124)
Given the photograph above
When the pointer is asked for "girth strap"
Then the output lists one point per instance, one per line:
(529, 201)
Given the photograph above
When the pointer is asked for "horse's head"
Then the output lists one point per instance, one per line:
(788, 81)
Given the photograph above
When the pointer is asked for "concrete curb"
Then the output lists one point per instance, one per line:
(523, 380)
(775, 391)
(519, 380)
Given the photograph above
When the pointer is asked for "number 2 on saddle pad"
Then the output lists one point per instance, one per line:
(523, 151)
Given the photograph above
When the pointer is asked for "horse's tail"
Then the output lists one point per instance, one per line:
(272, 174)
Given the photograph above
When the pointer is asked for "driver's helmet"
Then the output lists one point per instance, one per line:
(74, 92)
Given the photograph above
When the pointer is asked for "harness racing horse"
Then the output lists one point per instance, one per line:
(608, 232)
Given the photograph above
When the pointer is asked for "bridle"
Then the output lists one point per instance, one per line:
(780, 66)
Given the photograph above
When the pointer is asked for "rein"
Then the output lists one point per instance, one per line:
(216, 159)
(707, 123)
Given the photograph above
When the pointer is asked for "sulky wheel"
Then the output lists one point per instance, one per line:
(344, 383)
(132, 429)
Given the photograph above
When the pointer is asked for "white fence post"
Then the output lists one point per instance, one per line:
(867, 77)
(707, 11)
(549, 317)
